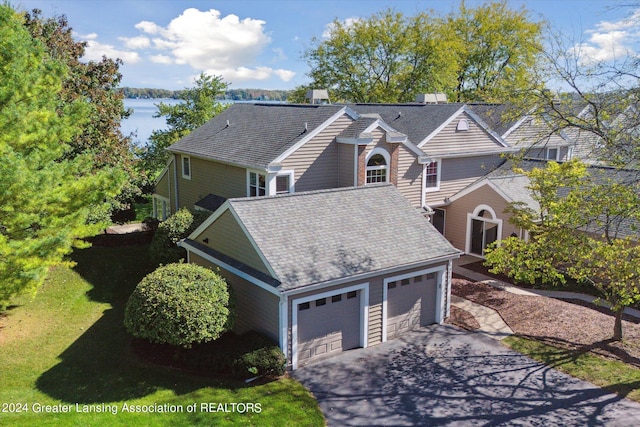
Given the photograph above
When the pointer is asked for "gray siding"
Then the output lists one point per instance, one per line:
(456, 215)
(209, 177)
(256, 309)
(316, 162)
(451, 141)
(226, 236)
(457, 173)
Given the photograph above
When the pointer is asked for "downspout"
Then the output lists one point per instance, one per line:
(284, 326)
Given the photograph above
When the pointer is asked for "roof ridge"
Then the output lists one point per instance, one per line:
(311, 192)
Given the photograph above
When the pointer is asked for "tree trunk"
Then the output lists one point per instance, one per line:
(617, 327)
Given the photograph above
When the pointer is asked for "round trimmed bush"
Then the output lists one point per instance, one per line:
(180, 304)
(163, 248)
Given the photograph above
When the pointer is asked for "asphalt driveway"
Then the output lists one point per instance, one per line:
(442, 375)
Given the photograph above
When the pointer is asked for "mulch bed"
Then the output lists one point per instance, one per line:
(560, 323)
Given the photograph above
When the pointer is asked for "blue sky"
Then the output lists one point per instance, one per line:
(259, 43)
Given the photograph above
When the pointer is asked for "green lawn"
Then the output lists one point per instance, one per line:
(68, 350)
(613, 375)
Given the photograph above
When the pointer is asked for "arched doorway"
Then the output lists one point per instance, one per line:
(483, 228)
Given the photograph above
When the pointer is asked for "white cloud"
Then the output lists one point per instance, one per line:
(139, 42)
(611, 40)
(227, 46)
(330, 27)
(95, 50)
(161, 59)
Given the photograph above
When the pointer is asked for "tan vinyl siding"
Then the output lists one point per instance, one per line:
(456, 215)
(375, 311)
(172, 185)
(162, 186)
(256, 308)
(347, 155)
(451, 141)
(209, 177)
(316, 162)
(409, 176)
(459, 172)
(226, 236)
(528, 134)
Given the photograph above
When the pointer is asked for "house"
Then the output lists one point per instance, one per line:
(328, 270)
(429, 152)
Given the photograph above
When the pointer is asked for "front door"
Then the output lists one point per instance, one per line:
(483, 233)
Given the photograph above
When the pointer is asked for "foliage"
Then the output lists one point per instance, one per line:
(483, 54)
(235, 94)
(576, 233)
(164, 247)
(93, 83)
(45, 194)
(69, 346)
(199, 106)
(180, 304)
(262, 361)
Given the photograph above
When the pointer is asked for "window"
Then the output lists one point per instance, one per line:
(303, 306)
(336, 298)
(417, 279)
(282, 184)
(160, 207)
(257, 184)
(186, 167)
(321, 301)
(438, 219)
(431, 176)
(376, 169)
(352, 294)
(552, 154)
(405, 282)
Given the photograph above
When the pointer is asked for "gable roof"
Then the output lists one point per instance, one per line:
(254, 135)
(319, 236)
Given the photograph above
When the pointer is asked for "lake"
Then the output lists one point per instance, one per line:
(142, 122)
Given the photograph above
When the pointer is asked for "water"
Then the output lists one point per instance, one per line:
(141, 123)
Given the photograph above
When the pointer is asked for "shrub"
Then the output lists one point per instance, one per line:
(164, 248)
(180, 304)
(268, 360)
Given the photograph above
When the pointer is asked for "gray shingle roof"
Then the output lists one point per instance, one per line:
(256, 134)
(318, 236)
(417, 121)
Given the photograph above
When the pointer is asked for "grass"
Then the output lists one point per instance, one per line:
(68, 346)
(612, 375)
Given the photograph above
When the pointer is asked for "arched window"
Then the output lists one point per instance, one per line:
(377, 167)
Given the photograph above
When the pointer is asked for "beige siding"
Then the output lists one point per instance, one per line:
(528, 134)
(409, 176)
(209, 177)
(226, 236)
(456, 215)
(347, 155)
(256, 308)
(449, 140)
(316, 162)
(457, 173)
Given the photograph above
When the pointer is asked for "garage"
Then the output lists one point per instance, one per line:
(328, 325)
(411, 303)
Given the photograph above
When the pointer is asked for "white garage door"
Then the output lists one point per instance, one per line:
(411, 303)
(328, 325)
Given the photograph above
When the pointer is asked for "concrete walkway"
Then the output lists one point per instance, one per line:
(491, 324)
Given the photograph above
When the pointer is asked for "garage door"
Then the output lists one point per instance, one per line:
(411, 303)
(328, 325)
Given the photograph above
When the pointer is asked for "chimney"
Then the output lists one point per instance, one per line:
(318, 96)
(432, 98)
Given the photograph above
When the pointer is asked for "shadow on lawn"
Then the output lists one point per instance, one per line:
(100, 366)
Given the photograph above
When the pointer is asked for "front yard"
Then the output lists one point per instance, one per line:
(570, 337)
(66, 360)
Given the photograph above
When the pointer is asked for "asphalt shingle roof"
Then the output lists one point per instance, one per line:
(318, 236)
(254, 134)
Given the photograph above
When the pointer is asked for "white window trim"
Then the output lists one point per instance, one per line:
(364, 315)
(424, 176)
(188, 159)
(474, 215)
(157, 199)
(272, 187)
(266, 181)
(440, 279)
(546, 153)
(387, 158)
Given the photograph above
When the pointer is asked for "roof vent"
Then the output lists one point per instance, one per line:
(432, 98)
(318, 96)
